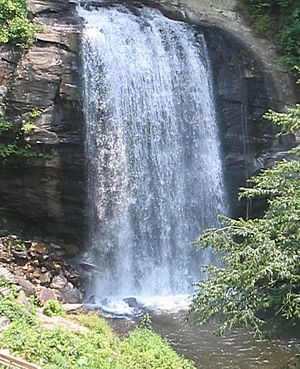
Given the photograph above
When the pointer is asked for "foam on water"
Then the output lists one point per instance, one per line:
(120, 307)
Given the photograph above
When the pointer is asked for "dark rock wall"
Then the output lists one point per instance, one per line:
(46, 196)
(242, 94)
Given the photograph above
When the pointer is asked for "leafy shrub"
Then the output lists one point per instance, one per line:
(144, 349)
(97, 349)
(12, 309)
(53, 308)
(15, 24)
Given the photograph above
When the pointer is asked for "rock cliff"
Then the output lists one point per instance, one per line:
(47, 196)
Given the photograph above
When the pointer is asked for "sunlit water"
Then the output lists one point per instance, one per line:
(154, 168)
(237, 350)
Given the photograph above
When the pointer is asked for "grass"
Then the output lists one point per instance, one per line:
(59, 348)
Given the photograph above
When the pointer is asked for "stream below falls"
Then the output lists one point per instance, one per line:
(237, 350)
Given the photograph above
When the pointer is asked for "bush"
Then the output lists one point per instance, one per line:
(16, 26)
(144, 349)
(53, 308)
(97, 349)
(12, 309)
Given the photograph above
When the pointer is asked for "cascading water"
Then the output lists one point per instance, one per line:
(154, 166)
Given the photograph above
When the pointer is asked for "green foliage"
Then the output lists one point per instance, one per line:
(289, 122)
(144, 349)
(16, 146)
(97, 349)
(44, 180)
(53, 308)
(12, 309)
(5, 125)
(35, 113)
(261, 274)
(280, 19)
(146, 321)
(15, 24)
(28, 128)
(22, 152)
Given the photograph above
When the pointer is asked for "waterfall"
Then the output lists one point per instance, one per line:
(154, 167)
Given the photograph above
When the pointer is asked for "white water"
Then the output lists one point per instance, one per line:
(154, 167)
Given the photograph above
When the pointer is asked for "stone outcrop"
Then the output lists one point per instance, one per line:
(42, 269)
(243, 94)
(47, 196)
(38, 195)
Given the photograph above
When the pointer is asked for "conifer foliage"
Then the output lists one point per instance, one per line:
(261, 257)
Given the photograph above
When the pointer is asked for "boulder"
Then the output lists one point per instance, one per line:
(71, 249)
(4, 323)
(72, 308)
(7, 275)
(44, 294)
(26, 285)
(54, 321)
(22, 299)
(4, 291)
(70, 294)
(45, 279)
(59, 282)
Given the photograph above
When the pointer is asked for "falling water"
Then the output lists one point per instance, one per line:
(154, 167)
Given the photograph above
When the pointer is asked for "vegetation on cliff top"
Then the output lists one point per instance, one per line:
(279, 20)
(16, 26)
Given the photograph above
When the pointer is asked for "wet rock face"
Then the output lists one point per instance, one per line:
(38, 195)
(46, 197)
(247, 83)
(244, 91)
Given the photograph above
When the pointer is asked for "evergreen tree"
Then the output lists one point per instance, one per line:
(261, 257)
